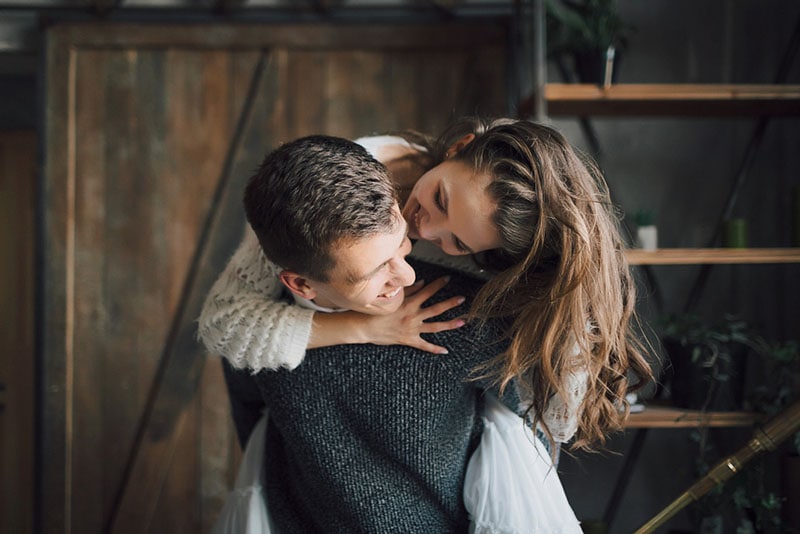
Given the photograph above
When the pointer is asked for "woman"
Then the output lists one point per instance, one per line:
(537, 218)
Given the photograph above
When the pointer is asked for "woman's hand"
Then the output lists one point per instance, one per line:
(402, 327)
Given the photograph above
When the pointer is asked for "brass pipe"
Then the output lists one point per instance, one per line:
(766, 438)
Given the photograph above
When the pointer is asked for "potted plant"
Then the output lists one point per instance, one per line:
(779, 387)
(752, 501)
(587, 31)
(707, 362)
(646, 230)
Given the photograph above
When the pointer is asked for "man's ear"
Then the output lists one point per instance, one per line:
(456, 147)
(297, 284)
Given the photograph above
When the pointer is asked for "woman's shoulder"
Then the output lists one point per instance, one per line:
(377, 145)
(405, 161)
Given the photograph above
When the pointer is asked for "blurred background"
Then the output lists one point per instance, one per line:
(127, 128)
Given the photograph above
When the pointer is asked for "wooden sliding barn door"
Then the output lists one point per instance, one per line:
(150, 134)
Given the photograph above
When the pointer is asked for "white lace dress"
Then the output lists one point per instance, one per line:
(511, 485)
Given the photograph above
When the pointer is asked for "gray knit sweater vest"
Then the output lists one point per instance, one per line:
(367, 438)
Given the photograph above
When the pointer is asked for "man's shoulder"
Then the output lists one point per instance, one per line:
(460, 283)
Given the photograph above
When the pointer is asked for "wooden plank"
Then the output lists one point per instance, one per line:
(208, 126)
(666, 417)
(673, 92)
(483, 79)
(58, 275)
(174, 393)
(94, 330)
(672, 99)
(401, 80)
(454, 36)
(180, 483)
(18, 165)
(442, 80)
(129, 170)
(692, 256)
(306, 72)
(351, 92)
(668, 100)
(218, 445)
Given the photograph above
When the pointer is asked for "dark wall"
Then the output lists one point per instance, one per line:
(682, 169)
(17, 102)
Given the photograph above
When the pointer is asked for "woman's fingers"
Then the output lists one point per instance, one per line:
(423, 294)
(441, 326)
(406, 325)
(414, 288)
(441, 307)
(429, 347)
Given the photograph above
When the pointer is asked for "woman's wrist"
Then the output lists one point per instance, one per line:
(339, 328)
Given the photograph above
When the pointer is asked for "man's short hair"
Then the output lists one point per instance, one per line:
(315, 193)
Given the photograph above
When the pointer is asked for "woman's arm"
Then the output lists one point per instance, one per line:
(561, 414)
(244, 320)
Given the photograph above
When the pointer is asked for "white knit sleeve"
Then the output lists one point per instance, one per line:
(243, 319)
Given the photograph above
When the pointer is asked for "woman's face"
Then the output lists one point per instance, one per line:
(450, 206)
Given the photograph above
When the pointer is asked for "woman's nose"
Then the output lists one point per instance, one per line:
(430, 227)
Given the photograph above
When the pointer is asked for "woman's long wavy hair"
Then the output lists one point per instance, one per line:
(561, 277)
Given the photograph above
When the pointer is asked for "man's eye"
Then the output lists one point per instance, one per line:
(461, 246)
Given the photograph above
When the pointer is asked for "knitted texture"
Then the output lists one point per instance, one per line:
(245, 320)
(367, 438)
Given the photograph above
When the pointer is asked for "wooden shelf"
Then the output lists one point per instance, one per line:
(668, 100)
(691, 256)
(666, 417)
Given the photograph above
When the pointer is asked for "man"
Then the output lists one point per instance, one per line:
(361, 438)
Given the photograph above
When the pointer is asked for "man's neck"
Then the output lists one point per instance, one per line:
(310, 304)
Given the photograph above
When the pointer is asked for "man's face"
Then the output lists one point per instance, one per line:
(370, 273)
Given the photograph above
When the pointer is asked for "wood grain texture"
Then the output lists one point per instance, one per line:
(668, 417)
(669, 100)
(142, 128)
(696, 256)
(199, 130)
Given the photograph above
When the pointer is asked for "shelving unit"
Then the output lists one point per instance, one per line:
(668, 417)
(628, 100)
(693, 256)
(714, 100)
(583, 101)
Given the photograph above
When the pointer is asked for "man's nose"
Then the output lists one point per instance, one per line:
(404, 274)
